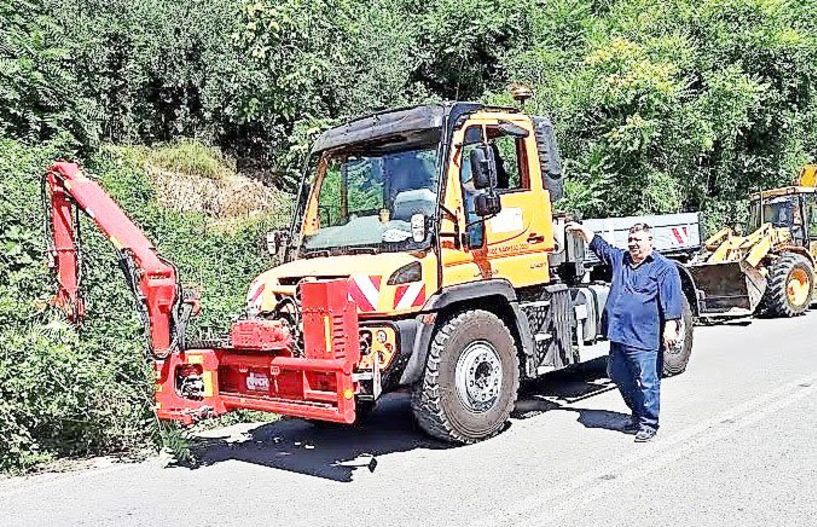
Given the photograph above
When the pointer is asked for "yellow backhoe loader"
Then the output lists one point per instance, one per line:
(770, 271)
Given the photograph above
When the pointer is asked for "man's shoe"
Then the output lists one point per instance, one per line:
(645, 435)
(631, 427)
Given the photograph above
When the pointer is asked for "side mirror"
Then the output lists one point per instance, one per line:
(277, 241)
(483, 167)
(487, 205)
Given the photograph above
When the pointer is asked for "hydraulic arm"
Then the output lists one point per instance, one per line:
(258, 366)
(153, 280)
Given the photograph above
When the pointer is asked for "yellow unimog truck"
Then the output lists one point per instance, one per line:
(442, 219)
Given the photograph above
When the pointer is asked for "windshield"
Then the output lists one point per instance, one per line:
(780, 212)
(377, 200)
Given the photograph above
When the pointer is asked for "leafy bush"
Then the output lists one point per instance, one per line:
(40, 101)
(68, 392)
(669, 106)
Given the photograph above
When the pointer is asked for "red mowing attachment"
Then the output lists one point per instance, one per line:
(259, 372)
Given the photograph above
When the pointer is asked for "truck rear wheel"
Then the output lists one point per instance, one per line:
(471, 379)
(677, 357)
(790, 286)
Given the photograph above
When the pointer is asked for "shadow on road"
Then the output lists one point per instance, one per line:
(336, 452)
(324, 450)
(561, 388)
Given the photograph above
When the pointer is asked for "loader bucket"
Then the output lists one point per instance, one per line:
(728, 288)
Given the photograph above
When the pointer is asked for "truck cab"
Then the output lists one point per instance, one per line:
(791, 208)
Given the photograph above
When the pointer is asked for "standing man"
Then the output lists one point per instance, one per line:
(645, 294)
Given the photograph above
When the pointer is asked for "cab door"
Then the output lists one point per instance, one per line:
(514, 243)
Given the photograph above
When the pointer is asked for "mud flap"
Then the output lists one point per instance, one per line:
(728, 288)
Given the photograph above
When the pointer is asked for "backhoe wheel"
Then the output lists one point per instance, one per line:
(471, 379)
(790, 286)
(677, 357)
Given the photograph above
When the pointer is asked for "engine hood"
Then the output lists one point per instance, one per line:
(368, 274)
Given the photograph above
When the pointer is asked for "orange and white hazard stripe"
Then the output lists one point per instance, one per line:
(364, 290)
(681, 235)
(410, 295)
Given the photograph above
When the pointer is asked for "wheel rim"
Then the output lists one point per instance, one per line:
(478, 376)
(797, 287)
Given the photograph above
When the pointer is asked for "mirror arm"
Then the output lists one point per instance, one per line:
(451, 215)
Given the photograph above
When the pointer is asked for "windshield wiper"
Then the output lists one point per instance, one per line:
(317, 253)
(362, 250)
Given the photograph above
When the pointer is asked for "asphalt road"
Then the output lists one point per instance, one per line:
(738, 446)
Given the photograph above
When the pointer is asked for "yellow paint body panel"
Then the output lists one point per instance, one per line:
(379, 265)
(725, 246)
(783, 191)
(808, 176)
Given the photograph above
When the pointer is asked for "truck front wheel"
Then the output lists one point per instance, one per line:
(471, 379)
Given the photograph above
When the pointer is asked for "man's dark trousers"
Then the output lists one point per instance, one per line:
(636, 373)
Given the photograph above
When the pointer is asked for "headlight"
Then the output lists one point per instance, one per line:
(412, 272)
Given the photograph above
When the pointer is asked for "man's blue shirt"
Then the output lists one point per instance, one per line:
(641, 297)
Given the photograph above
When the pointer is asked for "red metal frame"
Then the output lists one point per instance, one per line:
(258, 369)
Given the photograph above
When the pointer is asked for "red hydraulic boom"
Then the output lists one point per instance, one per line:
(156, 284)
(260, 366)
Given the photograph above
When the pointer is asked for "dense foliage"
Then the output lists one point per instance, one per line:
(659, 105)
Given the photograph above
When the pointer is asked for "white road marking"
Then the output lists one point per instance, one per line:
(540, 508)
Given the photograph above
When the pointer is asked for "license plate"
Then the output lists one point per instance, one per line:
(257, 382)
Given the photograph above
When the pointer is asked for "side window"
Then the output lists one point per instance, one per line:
(812, 218)
(476, 229)
(509, 163)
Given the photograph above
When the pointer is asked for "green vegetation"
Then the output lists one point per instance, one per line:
(659, 105)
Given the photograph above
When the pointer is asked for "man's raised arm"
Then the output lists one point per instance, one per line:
(606, 252)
